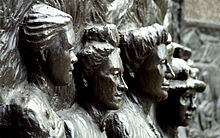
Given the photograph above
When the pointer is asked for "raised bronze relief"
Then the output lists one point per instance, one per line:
(144, 55)
(101, 70)
(126, 63)
(45, 46)
(178, 109)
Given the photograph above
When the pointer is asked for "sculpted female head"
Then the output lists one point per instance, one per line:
(102, 66)
(181, 103)
(47, 44)
(145, 58)
(182, 93)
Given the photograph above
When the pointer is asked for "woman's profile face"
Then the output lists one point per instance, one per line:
(186, 107)
(108, 85)
(151, 75)
(60, 60)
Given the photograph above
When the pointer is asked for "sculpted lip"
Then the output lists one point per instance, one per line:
(188, 115)
(118, 94)
(118, 98)
(165, 87)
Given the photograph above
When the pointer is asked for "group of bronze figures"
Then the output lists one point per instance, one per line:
(118, 76)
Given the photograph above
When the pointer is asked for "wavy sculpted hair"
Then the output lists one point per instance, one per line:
(98, 43)
(41, 26)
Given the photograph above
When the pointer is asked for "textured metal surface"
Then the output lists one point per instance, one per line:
(127, 61)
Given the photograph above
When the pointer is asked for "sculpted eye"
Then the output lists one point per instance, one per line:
(115, 73)
(184, 100)
(194, 97)
(163, 61)
(186, 97)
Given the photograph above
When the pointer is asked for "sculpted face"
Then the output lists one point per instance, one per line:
(178, 109)
(183, 90)
(151, 76)
(60, 59)
(108, 84)
(186, 107)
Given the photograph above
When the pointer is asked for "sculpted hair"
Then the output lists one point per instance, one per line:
(58, 4)
(41, 25)
(99, 43)
(136, 46)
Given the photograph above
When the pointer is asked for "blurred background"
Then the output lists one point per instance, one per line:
(197, 25)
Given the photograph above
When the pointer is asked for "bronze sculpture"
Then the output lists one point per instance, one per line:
(178, 109)
(46, 47)
(144, 55)
(101, 69)
(101, 109)
(46, 40)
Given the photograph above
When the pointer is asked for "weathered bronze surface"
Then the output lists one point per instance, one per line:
(178, 109)
(129, 79)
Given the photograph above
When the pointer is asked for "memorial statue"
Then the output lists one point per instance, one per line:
(144, 55)
(46, 47)
(39, 40)
(101, 89)
(178, 109)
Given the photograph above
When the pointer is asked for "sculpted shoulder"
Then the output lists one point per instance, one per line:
(80, 124)
(32, 113)
(137, 124)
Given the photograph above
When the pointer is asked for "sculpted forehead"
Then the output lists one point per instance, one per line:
(159, 53)
(162, 51)
(113, 61)
(70, 35)
(189, 93)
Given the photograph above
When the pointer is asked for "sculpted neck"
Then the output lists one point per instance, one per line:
(172, 132)
(169, 131)
(43, 83)
(144, 100)
(51, 91)
(97, 113)
(167, 127)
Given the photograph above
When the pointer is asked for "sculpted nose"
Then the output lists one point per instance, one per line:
(122, 85)
(73, 57)
(169, 74)
(193, 105)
